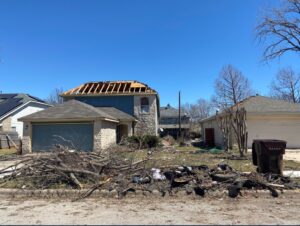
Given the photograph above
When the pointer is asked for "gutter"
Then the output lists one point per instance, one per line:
(61, 120)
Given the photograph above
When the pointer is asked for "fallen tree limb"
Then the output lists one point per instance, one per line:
(89, 192)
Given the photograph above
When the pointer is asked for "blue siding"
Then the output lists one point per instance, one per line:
(123, 103)
(74, 136)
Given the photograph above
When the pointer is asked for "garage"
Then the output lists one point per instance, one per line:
(74, 136)
(280, 128)
(267, 118)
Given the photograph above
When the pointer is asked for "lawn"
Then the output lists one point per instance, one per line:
(10, 151)
(192, 156)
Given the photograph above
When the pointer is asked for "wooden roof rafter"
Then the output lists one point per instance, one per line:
(92, 86)
(110, 88)
(95, 91)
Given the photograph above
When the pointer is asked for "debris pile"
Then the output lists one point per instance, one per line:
(92, 171)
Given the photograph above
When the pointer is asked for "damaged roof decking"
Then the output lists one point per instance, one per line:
(110, 88)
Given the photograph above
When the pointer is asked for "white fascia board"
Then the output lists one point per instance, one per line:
(23, 105)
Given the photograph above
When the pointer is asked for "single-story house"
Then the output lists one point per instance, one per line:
(169, 121)
(76, 125)
(94, 116)
(16, 105)
(267, 118)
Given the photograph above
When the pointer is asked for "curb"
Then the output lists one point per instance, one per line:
(72, 194)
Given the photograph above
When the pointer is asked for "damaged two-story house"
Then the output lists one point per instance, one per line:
(94, 116)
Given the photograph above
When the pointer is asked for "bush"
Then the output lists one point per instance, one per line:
(150, 141)
(145, 141)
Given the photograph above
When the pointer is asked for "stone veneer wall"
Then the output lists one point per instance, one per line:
(104, 134)
(108, 134)
(97, 136)
(147, 122)
(26, 140)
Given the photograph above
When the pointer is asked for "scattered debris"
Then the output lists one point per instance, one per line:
(92, 171)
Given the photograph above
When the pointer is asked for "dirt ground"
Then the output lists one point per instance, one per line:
(292, 155)
(244, 210)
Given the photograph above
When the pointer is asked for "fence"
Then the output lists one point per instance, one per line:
(9, 139)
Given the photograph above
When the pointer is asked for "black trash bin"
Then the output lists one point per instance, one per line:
(267, 155)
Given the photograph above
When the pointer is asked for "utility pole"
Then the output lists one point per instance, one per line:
(179, 114)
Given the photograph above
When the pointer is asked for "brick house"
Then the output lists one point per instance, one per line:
(94, 116)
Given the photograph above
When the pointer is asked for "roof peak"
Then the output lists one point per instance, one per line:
(123, 87)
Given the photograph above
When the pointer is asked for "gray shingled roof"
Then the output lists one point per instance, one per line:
(10, 101)
(170, 112)
(261, 104)
(116, 113)
(71, 109)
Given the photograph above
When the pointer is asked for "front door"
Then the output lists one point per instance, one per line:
(210, 137)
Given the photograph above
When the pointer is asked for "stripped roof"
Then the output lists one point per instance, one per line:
(110, 88)
(9, 102)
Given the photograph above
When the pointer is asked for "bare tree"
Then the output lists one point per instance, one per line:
(199, 110)
(231, 87)
(280, 30)
(224, 123)
(54, 98)
(286, 86)
(233, 120)
(240, 129)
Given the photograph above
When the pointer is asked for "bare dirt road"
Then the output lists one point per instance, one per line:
(245, 210)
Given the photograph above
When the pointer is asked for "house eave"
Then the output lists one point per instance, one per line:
(19, 107)
(108, 94)
(36, 120)
(272, 113)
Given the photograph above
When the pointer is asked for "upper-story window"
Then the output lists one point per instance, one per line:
(145, 105)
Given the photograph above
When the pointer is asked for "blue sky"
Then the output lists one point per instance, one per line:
(171, 45)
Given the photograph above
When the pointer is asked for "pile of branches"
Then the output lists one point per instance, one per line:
(78, 170)
(71, 169)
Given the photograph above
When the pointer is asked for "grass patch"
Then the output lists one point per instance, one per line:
(186, 148)
(194, 157)
(11, 151)
(291, 165)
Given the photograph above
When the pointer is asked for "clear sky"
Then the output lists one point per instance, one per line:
(171, 45)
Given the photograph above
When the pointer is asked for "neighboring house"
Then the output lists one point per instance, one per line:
(267, 118)
(94, 116)
(169, 122)
(15, 106)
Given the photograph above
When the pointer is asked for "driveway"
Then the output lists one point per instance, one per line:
(188, 210)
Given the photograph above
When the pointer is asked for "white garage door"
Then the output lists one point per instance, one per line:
(288, 130)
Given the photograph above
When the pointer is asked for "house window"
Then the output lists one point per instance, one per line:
(145, 105)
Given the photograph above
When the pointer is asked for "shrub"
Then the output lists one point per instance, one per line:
(150, 141)
(145, 141)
